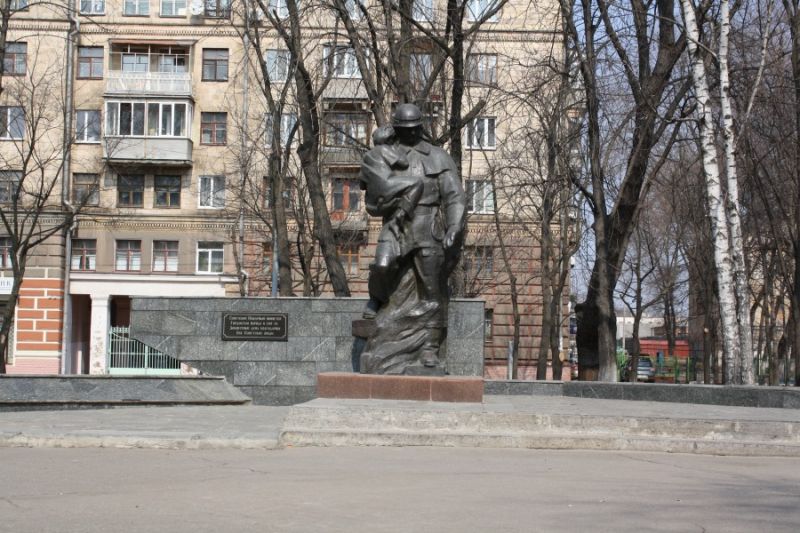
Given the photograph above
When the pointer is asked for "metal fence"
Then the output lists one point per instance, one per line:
(133, 357)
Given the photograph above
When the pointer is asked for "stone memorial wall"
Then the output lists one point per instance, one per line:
(273, 348)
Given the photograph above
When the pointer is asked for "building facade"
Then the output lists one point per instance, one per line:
(165, 138)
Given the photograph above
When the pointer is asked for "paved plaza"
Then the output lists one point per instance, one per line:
(392, 490)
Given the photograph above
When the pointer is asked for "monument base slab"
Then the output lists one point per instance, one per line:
(383, 387)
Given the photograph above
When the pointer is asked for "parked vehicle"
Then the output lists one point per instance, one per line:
(645, 370)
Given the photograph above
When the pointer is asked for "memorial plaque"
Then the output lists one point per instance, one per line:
(254, 327)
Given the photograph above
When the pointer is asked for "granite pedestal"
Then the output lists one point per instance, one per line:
(383, 387)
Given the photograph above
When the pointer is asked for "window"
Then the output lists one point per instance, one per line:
(93, 7)
(280, 8)
(215, 64)
(488, 321)
(266, 259)
(288, 121)
(166, 119)
(287, 193)
(482, 68)
(346, 129)
(421, 68)
(480, 133)
(278, 65)
(478, 261)
(340, 62)
(84, 254)
(477, 9)
(172, 61)
(18, 5)
(15, 62)
(173, 8)
(480, 196)
(346, 194)
(136, 7)
(218, 8)
(90, 62)
(422, 10)
(130, 191)
(86, 189)
(135, 62)
(5, 252)
(354, 8)
(87, 125)
(210, 256)
(125, 118)
(348, 257)
(212, 191)
(165, 256)
(213, 128)
(12, 122)
(128, 257)
(167, 191)
(9, 182)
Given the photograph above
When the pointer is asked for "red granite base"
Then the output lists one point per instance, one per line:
(379, 387)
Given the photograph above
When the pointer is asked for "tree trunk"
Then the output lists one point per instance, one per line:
(308, 152)
(744, 374)
(720, 235)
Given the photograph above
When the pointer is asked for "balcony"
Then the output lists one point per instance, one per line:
(149, 83)
(341, 155)
(148, 150)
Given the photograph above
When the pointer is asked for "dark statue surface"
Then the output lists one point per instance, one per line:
(415, 188)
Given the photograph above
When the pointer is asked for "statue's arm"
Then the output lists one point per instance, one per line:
(455, 204)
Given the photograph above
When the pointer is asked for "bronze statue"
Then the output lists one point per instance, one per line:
(415, 188)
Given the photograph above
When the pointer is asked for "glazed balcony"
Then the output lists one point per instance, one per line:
(149, 83)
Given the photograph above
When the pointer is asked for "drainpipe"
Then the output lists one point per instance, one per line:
(245, 108)
(66, 151)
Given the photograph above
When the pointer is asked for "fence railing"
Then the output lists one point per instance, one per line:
(133, 357)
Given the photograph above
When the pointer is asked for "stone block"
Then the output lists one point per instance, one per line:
(215, 368)
(401, 388)
(457, 390)
(343, 385)
(338, 305)
(311, 349)
(302, 374)
(336, 366)
(259, 374)
(271, 395)
(199, 348)
(253, 350)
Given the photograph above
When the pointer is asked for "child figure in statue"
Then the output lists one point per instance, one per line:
(394, 198)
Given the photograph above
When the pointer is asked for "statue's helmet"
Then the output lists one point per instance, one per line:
(406, 116)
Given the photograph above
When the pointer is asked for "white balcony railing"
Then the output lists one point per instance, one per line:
(142, 83)
(162, 150)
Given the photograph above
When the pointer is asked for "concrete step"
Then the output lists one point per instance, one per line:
(92, 392)
(354, 423)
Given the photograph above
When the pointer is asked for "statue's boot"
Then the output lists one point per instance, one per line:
(371, 309)
(429, 355)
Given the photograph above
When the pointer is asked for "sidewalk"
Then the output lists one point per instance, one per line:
(501, 421)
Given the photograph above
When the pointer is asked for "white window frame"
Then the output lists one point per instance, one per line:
(82, 123)
(480, 196)
(215, 184)
(277, 59)
(178, 8)
(137, 11)
(473, 131)
(209, 248)
(80, 182)
(113, 130)
(477, 8)
(167, 262)
(344, 64)
(93, 7)
(18, 119)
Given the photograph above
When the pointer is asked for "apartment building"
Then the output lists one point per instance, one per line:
(167, 149)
